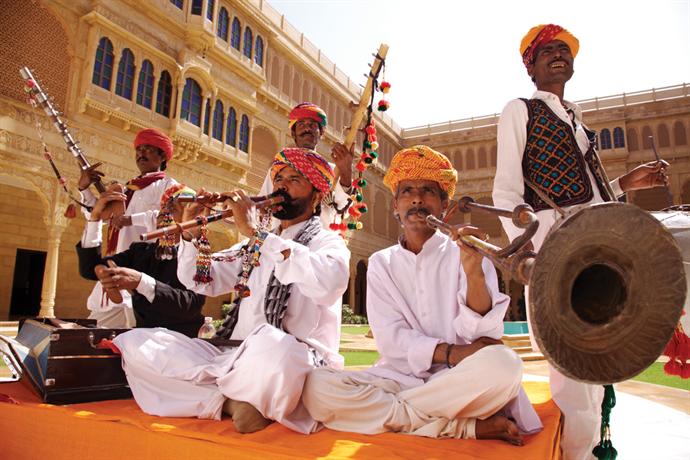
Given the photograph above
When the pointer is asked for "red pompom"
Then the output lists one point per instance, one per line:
(361, 166)
(385, 87)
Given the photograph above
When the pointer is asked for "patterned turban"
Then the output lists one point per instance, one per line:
(542, 34)
(421, 162)
(309, 164)
(307, 110)
(155, 138)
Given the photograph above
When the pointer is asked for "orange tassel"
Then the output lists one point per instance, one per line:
(71, 211)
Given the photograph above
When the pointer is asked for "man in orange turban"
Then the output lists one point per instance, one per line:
(544, 149)
(437, 315)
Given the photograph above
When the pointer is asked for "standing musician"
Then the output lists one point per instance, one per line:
(307, 122)
(291, 284)
(158, 297)
(544, 147)
(153, 151)
(437, 316)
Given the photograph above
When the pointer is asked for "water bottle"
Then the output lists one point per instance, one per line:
(207, 330)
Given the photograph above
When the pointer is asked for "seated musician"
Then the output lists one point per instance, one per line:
(290, 286)
(437, 316)
(307, 123)
(158, 297)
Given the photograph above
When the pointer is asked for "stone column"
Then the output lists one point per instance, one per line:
(56, 223)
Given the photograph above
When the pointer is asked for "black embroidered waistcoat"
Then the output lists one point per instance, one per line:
(554, 164)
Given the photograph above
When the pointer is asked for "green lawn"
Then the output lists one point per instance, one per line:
(355, 329)
(655, 374)
(360, 358)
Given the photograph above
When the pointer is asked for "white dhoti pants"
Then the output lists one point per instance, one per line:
(445, 406)
(175, 376)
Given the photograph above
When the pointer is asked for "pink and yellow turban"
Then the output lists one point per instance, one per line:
(307, 110)
(309, 164)
(542, 34)
(155, 138)
(421, 163)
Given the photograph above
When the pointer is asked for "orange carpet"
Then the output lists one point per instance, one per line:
(119, 430)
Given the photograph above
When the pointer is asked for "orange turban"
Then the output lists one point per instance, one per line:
(542, 34)
(310, 111)
(155, 138)
(309, 164)
(421, 162)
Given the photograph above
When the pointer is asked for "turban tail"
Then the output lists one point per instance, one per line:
(157, 139)
(421, 163)
(310, 111)
(543, 34)
(309, 164)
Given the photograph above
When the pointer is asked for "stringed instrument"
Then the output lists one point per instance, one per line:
(36, 93)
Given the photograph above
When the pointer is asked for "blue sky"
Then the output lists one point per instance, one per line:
(452, 59)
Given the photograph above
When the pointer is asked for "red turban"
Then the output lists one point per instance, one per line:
(309, 164)
(543, 34)
(307, 110)
(155, 138)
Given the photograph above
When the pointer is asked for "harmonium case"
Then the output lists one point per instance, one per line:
(62, 361)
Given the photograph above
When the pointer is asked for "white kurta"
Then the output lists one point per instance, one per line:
(173, 375)
(579, 402)
(328, 213)
(143, 208)
(415, 302)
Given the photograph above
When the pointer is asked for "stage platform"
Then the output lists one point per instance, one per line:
(119, 430)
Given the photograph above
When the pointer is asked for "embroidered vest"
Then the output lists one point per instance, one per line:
(554, 164)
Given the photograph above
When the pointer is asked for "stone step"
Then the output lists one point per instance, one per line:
(521, 350)
(532, 356)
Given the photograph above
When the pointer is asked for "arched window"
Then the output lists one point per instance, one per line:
(679, 137)
(207, 116)
(469, 160)
(605, 139)
(287, 78)
(305, 90)
(209, 11)
(296, 86)
(218, 114)
(633, 146)
(259, 51)
(244, 134)
(178, 3)
(482, 160)
(231, 129)
(191, 102)
(164, 94)
(197, 6)
(222, 28)
(248, 42)
(646, 137)
(125, 75)
(145, 85)
(664, 139)
(493, 155)
(236, 33)
(618, 138)
(103, 64)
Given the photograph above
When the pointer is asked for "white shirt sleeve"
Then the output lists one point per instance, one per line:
(616, 187)
(147, 287)
(89, 199)
(93, 234)
(469, 324)
(509, 187)
(320, 271)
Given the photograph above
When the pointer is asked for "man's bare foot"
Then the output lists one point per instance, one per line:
(247, 418)
(498, 427)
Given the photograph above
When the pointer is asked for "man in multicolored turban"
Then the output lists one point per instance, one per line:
(290, 284)
(437, 315)
(153, 150)
(307, 123)
(534, 160)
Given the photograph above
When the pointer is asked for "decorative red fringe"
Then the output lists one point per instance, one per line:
(678, 351)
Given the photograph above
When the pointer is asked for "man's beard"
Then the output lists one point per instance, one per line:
(292, 208)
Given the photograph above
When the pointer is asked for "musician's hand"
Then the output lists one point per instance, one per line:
(460, 352)
(242, 206)
(200, 207)
(470, 258)
(342, 157)
(648, 175)
(121, 221)
(119, 278)
(89, 176)
(102, 202)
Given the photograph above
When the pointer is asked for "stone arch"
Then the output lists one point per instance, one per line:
(305, 91)
(664, 138)
(493, 155)
(202, 77)
(482, 160)
(48, 55)
(275, 72)
(679, 136)
(287, 79)
(360, 306)
(296, 87)
(646, 134)
(264, 148)
(633, 145)
(470, 161)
